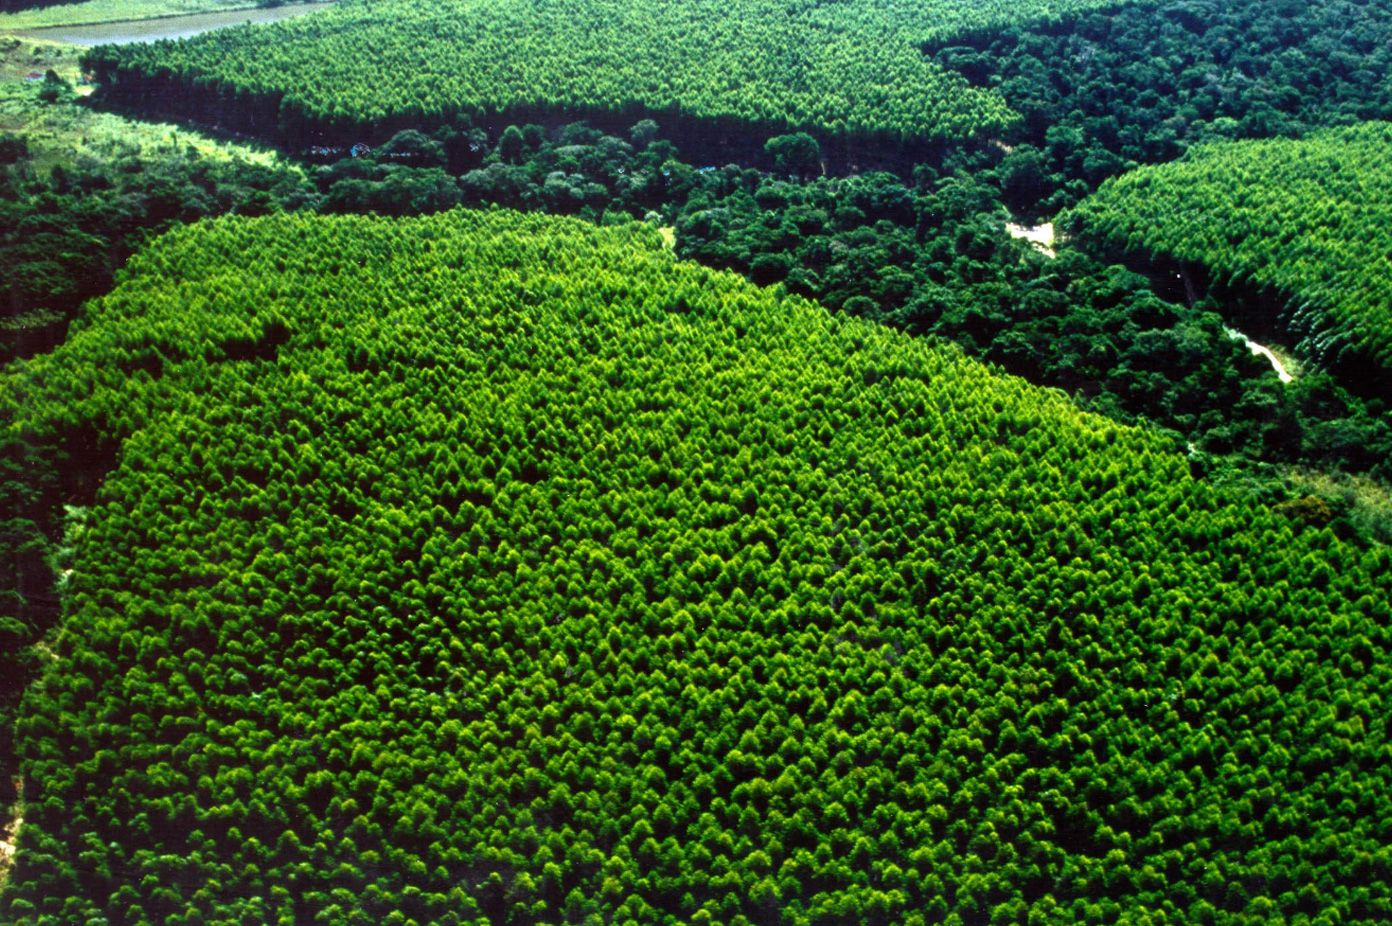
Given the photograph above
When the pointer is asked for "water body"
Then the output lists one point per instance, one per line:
(167, 27)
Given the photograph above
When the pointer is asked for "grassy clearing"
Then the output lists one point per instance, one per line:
(105, 11)
(1288, 359)
(65, 133)
(1366, 502)
(20, 56)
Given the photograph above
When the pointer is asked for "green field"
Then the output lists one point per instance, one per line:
(66, 134)
(1311, 219)
(489, 568)
(23, 56)
(842, 69)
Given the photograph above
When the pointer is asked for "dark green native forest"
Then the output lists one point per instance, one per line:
(1312, 218)
(623, 464)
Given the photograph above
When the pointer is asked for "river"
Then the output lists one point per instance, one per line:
(167, 27)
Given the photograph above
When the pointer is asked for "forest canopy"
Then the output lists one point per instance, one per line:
(1309, 218)
(850, 68)
(500, 568)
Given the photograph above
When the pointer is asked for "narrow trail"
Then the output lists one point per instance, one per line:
(1041, 236)
(9, 834)
(1281, 372)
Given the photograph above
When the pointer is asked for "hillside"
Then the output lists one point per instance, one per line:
(500, 568)
(1309, 219)
(852, 69)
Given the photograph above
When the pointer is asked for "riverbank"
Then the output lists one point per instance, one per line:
(104, 12)
(63, 134)
(154, 28)
(22, 62)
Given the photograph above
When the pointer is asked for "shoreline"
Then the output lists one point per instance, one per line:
(35, 32)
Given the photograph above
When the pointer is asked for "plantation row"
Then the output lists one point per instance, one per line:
(1311, 219)
(841, 69)
(499, 568)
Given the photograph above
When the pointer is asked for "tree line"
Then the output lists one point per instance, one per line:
(929, 255)
(1309, 218)
(843, 70)
(1144, 82)
(65, 231)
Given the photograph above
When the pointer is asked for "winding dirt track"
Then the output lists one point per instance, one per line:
(1041, 236)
